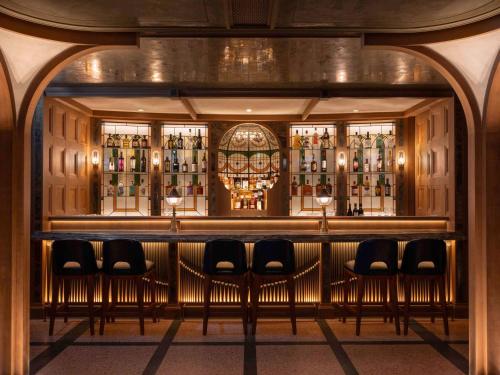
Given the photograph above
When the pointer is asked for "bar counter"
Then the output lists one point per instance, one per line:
(178, 255)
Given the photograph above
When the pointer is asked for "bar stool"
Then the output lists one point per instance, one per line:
(425, 260)
(225, 261)
(125, 260)
(375, 260)
(73, 260)
(273, 261)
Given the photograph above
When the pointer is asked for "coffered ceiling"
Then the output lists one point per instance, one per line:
(354, 15)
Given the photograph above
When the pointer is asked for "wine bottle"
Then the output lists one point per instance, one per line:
(180, 142)
(355, 162)
(189, 188)
(184, 167)
(323, 160)
(175, 165)
(194, 162)
(170, 142)
(325, 139)
(378, 189)
(204, 163)
(379, 162)
(314, 165)
(349, 211)
(366, 166)
(121, 163)
(144, 142)
(354, 189)
(167, 165)
(368, 142)
(303, 164)
(355, 212)
(111, 165)
(132, 163)
(188, 144)
(199, 141)
(329, 187)
(143, 162)
(366, 186)
(315, 137)
(295, 188)
(387, 188)
(360, 211)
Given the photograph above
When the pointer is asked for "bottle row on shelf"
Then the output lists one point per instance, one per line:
(121, 190)
(364, 189)
(135, 141)
(130, 164)
(189, 190)
(381, 165)
(252, 182)
(314, 141)
(190, 142)
(356, 211)
(306, 189)
(246, 200)
(380, 140)
(312, 166)
(174, 166)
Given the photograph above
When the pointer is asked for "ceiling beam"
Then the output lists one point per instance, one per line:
(335, 91)
(189, 107)
(310, 106)
(249, 32)
(77, 106)
(424, 105)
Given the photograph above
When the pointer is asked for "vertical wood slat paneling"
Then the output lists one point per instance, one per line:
(344, 251)
(191, 279)
(127, 291)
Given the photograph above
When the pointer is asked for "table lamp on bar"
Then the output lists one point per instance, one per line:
(173, 199)
(324, 199)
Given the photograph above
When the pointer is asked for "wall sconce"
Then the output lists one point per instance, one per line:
(156, 160)
(341, 162)
(401, 160)
(95, 159)
(324, 199)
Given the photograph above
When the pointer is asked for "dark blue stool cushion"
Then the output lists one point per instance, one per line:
(225, 257)
(73, 258)
(273, 257)
(424, 257)
(375, 257)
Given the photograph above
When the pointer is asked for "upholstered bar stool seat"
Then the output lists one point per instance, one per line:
(376, 260)
(425, 260)
(273, 261)
(73, 260)
(225, 261)
(125, 260)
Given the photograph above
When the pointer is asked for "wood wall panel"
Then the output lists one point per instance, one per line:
(434, 154)
(65, 161)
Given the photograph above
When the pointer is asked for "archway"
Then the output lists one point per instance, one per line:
(19, 197)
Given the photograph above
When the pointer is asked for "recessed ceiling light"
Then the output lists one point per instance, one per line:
(248, 110)
(355, 110)
(140, 110)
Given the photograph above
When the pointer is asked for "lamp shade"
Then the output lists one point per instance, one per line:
(174, 198)
(324, 199)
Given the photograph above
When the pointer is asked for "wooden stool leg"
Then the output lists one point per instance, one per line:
(359, 302)
(53, 305)
(90, 302)
(255, 289)
(206, 302)
(432, 288)
(291, 301)
(105, 301)
(346, 296)
(244, 302)
(442, 299)
(394, 302)
(67, 293)
(140, 302)
(152, 286)
(407, 286)
(383, 291)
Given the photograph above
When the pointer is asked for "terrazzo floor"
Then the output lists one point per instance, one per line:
(320, 347)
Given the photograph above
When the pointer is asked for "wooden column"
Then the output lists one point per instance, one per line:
(173, 273)
(326, 273)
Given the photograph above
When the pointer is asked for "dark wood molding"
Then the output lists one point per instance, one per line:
(491, 114)
(417, 38)
(75, 105)
(6, 95)
(420, 107)
(67, 35)
(189, 107)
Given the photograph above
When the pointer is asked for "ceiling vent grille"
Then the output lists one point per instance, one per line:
(250, 12)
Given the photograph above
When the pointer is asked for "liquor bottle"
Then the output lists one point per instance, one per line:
(143, 162)
(379, 162)
(349, 210)
(315, 137)
(188, 144)
(360, 211)
(170, 142)
(131, 190)
(259, 204)
(390, 140)
(323, 160)
(296, 140)
(110, 142)
(319, 187)
(167, 165)
(194, 163)
(355, 212)
(237, 203)
(117, 141)
(302, 141)
(253, 203)
(199, 141)
(111, 165)
(366, 166)
(329, 187)
(121, 189)
(245, 203)
(189, 188)
(307, 189)
(126, 142)
(295, 187)
(180, 142)
(199, 189)
(135, 141)
(121, 163)
(184, 167)
(303, 164)
(306, 143)
(378, 189)
(144, 142)
(175, 165)
(368, 142)
(204, 163)
(387, 188)
(355, 162)
(354, 189)
(325, 139)
(366, 186)
(111, 189)
(132, 163)
(389, 161)
(143, 188)
(355, 142)
(314, 165)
